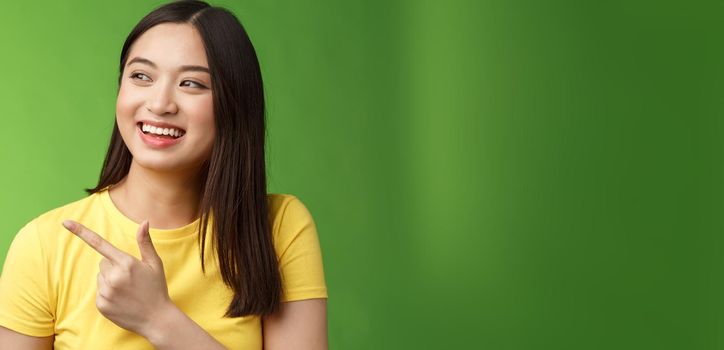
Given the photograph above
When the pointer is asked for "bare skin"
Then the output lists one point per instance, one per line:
(11, 340)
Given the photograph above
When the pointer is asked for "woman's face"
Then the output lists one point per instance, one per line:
(166, 84)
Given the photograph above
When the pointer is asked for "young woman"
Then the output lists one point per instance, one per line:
(179, 246)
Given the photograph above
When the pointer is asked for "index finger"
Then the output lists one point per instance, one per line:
(95, 241)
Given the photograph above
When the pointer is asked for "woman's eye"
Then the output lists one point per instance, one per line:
(195, 83)
(135, 75)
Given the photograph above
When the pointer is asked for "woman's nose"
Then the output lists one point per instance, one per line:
(161, 101)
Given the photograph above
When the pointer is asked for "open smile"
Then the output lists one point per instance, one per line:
(157, 137)
(163, 132)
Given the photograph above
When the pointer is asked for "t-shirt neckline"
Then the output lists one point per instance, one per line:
(130, 227)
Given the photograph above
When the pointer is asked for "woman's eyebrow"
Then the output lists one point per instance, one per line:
(181, 69)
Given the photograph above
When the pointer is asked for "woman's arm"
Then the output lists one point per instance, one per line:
(12, 340)
(173, 329)
(298, 325)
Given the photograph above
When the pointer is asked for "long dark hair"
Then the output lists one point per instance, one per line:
(234, 176)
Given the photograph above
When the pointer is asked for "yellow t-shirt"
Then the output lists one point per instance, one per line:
(48, 284)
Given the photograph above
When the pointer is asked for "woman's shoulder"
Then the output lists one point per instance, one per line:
(277, 201)
(289, 216)
(43, 229)
(75, 208)
(285, 205)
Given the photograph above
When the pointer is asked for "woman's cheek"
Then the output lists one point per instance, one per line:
(123, 104)
(204, 115)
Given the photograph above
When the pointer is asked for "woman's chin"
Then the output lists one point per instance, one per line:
(165, 165)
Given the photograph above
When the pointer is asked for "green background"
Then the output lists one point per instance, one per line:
(513, 174)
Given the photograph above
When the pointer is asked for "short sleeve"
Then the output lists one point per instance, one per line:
(24, 286)
(299, 253)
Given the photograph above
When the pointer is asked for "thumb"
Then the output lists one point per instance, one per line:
(145, 245)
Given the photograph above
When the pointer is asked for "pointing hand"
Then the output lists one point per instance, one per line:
(131, 293)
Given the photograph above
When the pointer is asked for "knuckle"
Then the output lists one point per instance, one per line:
(127, 263)
(103, 292)
(114, 281)
(108, 293)
(101, 303)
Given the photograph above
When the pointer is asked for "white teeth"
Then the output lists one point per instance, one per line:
(161, 131)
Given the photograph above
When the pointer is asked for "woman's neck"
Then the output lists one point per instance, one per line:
(167, 200)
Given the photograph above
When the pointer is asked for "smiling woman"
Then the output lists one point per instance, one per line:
(179, 245)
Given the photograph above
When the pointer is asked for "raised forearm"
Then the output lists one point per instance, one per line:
(173, 329)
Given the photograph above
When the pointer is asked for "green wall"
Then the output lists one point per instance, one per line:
(484, 174)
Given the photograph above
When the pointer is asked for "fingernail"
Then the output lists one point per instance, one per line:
(69, 225)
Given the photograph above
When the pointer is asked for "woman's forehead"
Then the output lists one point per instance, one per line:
(170, 45)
